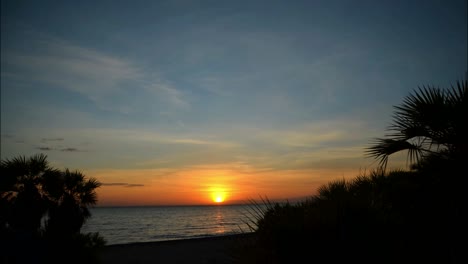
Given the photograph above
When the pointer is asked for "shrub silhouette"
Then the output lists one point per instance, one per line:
(381, 216)
(397, 216)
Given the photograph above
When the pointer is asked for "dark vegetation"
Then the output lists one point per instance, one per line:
(414, 215)
(42, 210)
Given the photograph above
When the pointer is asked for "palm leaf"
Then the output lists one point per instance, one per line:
(429, 118)
(384, 147)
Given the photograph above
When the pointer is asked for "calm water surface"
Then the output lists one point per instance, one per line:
(120, 225)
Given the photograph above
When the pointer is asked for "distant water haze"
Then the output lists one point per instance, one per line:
(121, 225)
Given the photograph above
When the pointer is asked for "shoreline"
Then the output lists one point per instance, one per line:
(214, 249)
(181, 239)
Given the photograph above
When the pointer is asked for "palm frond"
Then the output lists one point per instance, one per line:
(37, 164)
(458, 94)
(333, 190)
(429, 120)
(384, 147)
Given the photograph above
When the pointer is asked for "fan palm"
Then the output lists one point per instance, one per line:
(30, 188)
(431, 121)
(71, 198)
(21, 191)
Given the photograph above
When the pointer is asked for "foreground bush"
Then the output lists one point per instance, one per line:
(416, 216)
(381, 217)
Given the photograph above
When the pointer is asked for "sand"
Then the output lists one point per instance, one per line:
(219, 249)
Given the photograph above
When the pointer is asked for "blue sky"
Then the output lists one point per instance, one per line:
(106, 86)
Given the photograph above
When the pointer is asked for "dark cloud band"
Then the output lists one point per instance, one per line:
(123, 184)
(52, 139)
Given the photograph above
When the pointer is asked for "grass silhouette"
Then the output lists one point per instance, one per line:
(383, 216)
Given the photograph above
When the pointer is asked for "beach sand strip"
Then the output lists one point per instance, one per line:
(218, 249)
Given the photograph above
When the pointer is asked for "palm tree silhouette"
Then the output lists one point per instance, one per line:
(30, 189)
(429, 122)
(71, 195)
(22, 193)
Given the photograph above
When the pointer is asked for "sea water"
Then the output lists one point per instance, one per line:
(119, 225)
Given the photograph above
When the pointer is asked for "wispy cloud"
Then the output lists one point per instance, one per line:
(45, 148)
(58, 148)
(123, 184)
(134, 185)
(190, 141)
(171, 94)
(153, 136)
(70, 150)
(319, 133)
(52, 139)
(55, 144)
(109, 81)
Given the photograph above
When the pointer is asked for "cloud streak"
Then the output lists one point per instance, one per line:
(69, 149)
(101, 78)
(45, 148)
(123, 184)
(52, 139)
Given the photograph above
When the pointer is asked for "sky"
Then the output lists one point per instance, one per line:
(180, 102)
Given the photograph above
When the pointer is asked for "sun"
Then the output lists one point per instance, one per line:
(218, 194)
(218, 197)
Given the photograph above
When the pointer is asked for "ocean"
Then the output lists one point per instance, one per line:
(121, 225)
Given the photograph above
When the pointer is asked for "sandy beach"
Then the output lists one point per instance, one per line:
(219, 249)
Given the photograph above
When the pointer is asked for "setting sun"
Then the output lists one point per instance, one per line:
(218, 199)
(218, 196)
(218, 192)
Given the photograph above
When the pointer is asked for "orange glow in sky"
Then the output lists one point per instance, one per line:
(206, 185)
